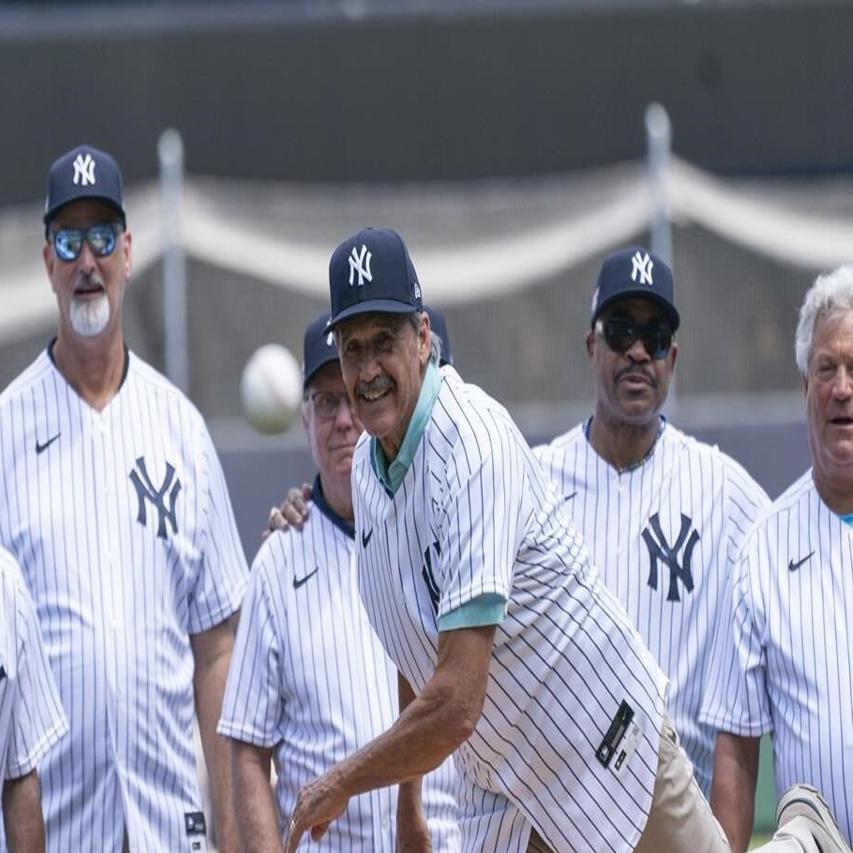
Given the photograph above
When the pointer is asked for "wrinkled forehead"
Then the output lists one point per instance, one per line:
(833, 329)
(365, 326)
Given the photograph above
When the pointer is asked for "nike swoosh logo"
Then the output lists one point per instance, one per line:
(567, 498)
(792, 566)
(40, 448)
(297, 582)
(365, 538)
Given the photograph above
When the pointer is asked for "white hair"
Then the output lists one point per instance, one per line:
(831, 292)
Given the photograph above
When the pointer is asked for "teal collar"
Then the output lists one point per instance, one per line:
(847, 519)
(391, 476)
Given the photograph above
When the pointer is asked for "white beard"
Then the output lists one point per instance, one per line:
(89, 317)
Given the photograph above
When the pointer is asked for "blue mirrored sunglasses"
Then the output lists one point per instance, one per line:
(101, 237)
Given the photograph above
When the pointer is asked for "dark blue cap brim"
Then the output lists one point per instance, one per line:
(107, 200)
(373, 306)
(640, 293)
(318, 367)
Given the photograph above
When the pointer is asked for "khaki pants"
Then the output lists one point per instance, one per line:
(681, 820)
(536, 844)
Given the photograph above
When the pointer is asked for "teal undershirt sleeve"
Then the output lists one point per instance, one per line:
(486, 609)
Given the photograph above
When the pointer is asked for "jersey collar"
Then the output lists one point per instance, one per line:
(323, 505)
(52, 344)
(391, 476)
(649, 453)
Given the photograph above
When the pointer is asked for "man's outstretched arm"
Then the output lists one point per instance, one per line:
(431, 727)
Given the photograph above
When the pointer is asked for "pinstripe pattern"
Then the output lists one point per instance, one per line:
(310, 678)
(116, 602)
(31, 716)
(782, 659)
(565, 655)
(615, 513)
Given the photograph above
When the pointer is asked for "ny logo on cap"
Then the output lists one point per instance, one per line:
(641, 265)
(359, 262)
(84, 170)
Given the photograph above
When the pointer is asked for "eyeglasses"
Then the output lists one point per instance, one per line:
(101, 237)
(327, 403)
(621, 333)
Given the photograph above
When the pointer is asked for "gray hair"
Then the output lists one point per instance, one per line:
(434, 339)
(831, 292)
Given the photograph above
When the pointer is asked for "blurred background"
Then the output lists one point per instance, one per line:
(509, 143)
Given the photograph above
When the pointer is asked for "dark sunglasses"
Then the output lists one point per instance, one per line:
(621, 334)
(101, 237)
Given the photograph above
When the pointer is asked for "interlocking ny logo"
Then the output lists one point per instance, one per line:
(641, 265)
(659, 549)
(145, 491)
(84, 170)
(359, 262)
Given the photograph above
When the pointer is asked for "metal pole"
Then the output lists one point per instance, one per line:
(659, 140)
(170, 150)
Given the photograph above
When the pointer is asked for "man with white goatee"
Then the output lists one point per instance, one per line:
(116, 508)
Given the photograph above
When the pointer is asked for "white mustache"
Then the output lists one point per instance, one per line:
(376, 386)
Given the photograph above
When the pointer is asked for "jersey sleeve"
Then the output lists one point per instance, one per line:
(735, 698)
(745, 499)
(221, 580)
(38, 720)
(252, 706)
(482, 523)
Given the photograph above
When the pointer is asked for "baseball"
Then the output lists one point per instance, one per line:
(271, 389)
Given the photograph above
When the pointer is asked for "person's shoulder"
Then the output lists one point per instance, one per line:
(29, 376)
(781, 513)
(712, 454)
(798, 494)
(467, 419)
(562, 443)
(149, 380)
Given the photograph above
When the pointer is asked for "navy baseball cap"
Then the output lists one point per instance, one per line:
(439, 326)
(318, 348)
(83, 172)
(372, 271)
(635, 272)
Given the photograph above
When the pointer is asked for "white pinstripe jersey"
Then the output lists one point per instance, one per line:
(475, 514)
(309, 677)
(663, 534)
(782, 657)
(122, 526)
(31, 716)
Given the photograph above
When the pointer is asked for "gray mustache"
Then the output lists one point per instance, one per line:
(377, 385)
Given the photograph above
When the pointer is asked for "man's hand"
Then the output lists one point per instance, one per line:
(319, 803)
(293, 511)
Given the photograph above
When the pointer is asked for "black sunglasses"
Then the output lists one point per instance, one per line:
(621, 334)
(101, 237)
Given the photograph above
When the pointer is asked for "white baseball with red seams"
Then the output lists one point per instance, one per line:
(271, 389)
